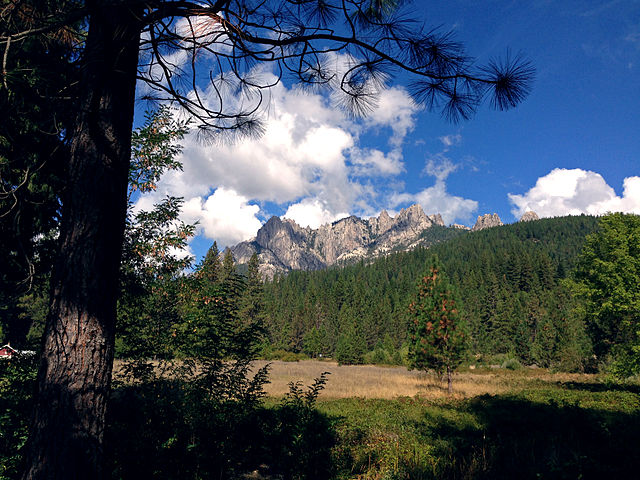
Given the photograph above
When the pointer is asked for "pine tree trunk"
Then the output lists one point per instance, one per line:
(449, 381)
(74, 379)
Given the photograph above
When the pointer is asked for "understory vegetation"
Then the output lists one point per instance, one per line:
(538, 426)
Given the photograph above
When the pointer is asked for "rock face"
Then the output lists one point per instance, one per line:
(283, 245)
(529, 216)
(459, 227)
(487, 221)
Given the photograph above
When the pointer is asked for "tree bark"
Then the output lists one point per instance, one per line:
(74, 379)
(449, 381)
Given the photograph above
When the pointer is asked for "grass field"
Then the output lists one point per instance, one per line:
(371, 381)
(388, 423)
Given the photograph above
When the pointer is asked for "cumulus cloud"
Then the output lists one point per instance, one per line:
(576, 191)
(373, 162)
(397, 110)
(440, 167)
(436, 198)
(309, 160)
(224, 216)
(311, 212)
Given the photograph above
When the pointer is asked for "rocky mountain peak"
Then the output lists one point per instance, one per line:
(413, 218)
(436, 219)
(487, 221)
(282, 244)
(529, 216)
(459, 226)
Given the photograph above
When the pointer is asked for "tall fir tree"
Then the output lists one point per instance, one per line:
(211, 269)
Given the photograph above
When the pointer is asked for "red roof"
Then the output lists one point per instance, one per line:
(7, 351)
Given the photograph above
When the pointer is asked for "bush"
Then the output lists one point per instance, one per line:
(511, 364)
(17, 387)
(283, 355)
(378, 356)
(174, 429)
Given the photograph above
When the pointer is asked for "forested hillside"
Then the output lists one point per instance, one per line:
(510, 280)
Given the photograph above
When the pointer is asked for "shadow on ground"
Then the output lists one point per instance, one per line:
(518, 438)
(163, 432)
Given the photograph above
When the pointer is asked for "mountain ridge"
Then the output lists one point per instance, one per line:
(282, 245)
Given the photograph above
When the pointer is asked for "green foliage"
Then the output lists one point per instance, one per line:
(150, 269)
(575, 430)
(268, 353)
(304, 436)
(607, 277)
(437, 333)
(350, 348)
(154, 148)
(172, 428)
(37, 89)
(211, 267)
(17, 387)
(314, 342)
(511, 364)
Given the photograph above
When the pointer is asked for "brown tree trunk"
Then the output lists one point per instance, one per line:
(449, 381)
(75, 372)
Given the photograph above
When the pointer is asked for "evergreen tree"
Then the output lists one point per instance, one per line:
(350, 347)
(211, 269)
(607, 277)
(147, 305)
(314, 342)
(228, 265)
(251, 304)
(437, 334)
(34, 150)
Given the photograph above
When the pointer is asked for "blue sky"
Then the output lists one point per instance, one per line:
(572, 147)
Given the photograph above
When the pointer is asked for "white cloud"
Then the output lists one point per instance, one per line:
(440, 167)
(311, 212)
(575, 191)
(373, 162)
(397, 110)
(309, 159)
(224, 216)
(436, 199)
(450, 140)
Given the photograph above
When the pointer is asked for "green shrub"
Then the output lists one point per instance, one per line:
(378, 356)
(17, 387)
(283, 355)
(175, 429)
(511, 364)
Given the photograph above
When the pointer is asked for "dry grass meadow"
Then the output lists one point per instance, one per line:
(370, 381)
(388, 382)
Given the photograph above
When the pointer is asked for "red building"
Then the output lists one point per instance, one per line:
(7, 352)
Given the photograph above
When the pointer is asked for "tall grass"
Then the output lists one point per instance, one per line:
(370, 381)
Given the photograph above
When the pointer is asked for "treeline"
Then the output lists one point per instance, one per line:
(214, 313)
(511, 280)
